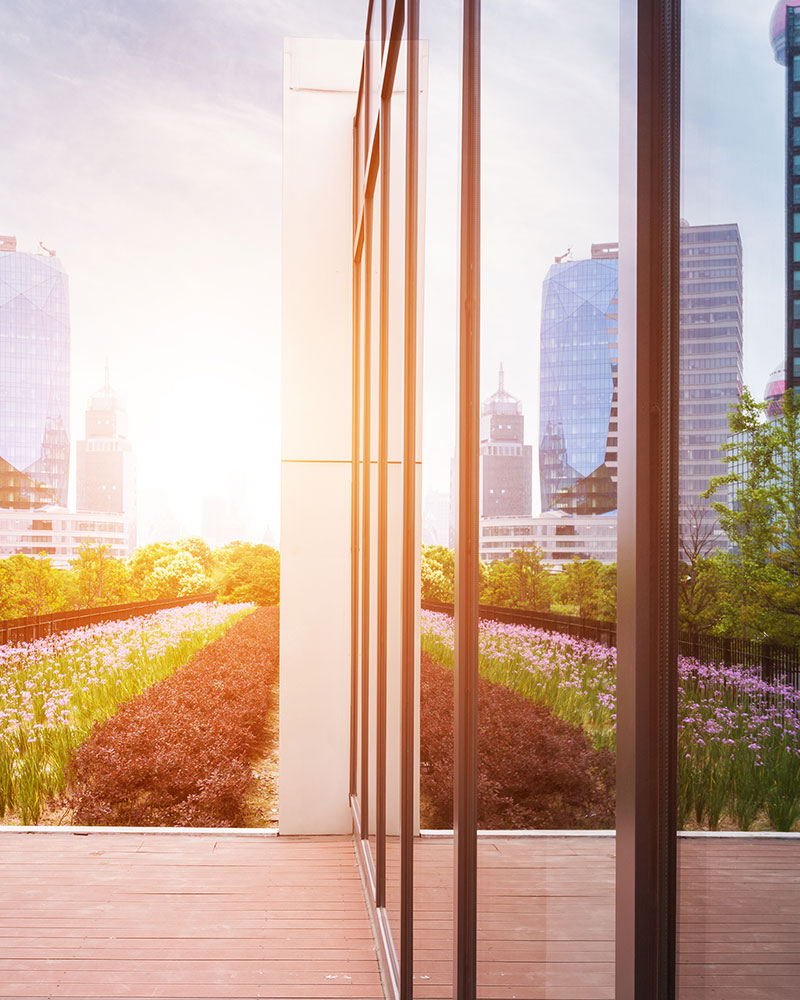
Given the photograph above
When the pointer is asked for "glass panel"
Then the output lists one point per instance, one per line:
(738, 720)
(549, 447)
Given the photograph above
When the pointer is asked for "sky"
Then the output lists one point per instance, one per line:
(143, 144)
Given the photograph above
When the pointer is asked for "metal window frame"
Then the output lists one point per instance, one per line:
(649, 271)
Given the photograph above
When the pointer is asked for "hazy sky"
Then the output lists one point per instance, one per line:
(143, 143)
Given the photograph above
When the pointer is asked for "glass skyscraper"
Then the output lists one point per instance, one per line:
(578, 384)
(578, 376)
(785, 36)
(34, 378)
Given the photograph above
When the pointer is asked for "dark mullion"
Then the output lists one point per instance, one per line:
(467, 555)
(647, 567)
(355, 514)
(383, 502)
(409, 603)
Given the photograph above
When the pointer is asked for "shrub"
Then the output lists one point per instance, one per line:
(535, 771)
(178, 755)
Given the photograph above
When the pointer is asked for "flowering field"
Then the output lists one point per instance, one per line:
(53, 690)
(181, 753)
(739, 736)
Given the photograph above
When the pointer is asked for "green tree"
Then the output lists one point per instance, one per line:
(98, 577)
(523, 581)
(171, 569)
(247, 572)
(590, 587)
(438, 570)
(31, 585)
(762, 522)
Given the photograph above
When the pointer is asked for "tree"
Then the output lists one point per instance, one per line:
(30, 585)
(98, 577)
(248, 573)
(171, 569)
(762, 520)
(701, 574)
(438, 572)
(590, 587)
(523, 581)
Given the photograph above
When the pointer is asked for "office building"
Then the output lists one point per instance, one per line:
(578, 434)
(785, 36)
(506, 463)
(578, 384)
(710, 360)
(106, 465)
(34, 378)
(59, 533)
(561, 537)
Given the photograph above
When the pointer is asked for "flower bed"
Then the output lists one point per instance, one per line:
(53, 690)
(535, 771)
(739, 736)
(179, 754)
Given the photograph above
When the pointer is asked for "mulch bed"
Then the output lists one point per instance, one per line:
(535, 771)
(180, 753)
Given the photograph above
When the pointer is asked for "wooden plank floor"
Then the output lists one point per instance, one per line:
(133, 915)
(546, 919)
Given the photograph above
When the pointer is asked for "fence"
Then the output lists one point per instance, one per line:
(772, 660)
(35, 626)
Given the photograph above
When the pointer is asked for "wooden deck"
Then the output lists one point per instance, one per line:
(546, 919)
(212, 916)
(133, 915)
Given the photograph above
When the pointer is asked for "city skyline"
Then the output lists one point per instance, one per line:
(165, 202)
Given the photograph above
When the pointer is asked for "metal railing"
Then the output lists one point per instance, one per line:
(771, 659)
(15, 630)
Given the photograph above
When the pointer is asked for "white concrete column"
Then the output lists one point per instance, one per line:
(320, 86)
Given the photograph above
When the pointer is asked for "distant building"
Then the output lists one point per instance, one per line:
(561, 536)
(578, 384)
(106, 465)
(58, 533)
(506, 462)
(711, 338)
(34, 378)
(222, 521)
(774, 392)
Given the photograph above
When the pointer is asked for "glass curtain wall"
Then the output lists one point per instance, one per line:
(738, 714)
(518, 911)
(385, 558)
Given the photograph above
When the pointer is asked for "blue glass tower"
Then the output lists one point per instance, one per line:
(578, 384)
(785, 36)
(34, 379)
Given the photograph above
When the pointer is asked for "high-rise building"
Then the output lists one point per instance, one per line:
(506, 462)
(578, 395)
(34, 378)
(578, 384)
(710, 360)
(785, 36)
(106, 465)
(773, 394)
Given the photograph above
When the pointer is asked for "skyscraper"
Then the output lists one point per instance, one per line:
(34, 378)
(578, 395)
(106, 465)
(785, 36)
(710, 358)
(578, 384)
(506, 464)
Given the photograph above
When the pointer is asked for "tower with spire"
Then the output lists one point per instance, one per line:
(506, 464)
(106, 465)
